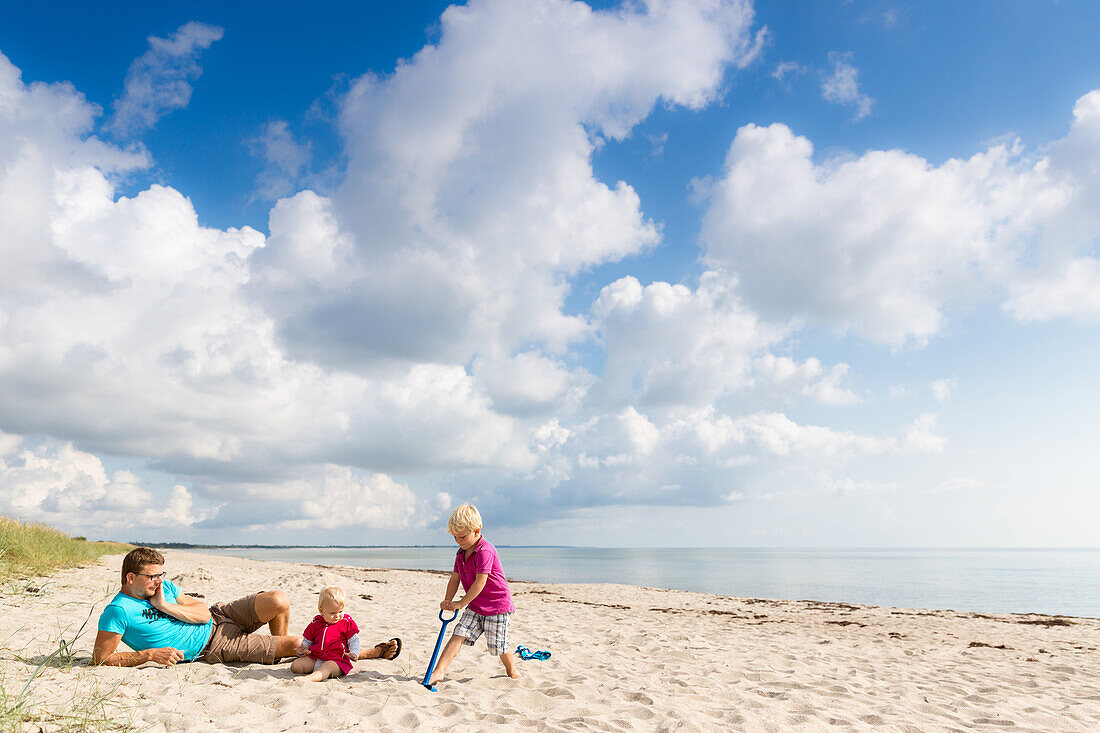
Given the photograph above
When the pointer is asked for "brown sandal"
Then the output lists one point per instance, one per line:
(397, 648)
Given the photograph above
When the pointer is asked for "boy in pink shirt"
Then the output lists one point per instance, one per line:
(488, 602)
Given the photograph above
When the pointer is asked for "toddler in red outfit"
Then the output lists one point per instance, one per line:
(330, 644)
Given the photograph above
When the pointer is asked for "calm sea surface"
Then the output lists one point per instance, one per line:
(996, 581)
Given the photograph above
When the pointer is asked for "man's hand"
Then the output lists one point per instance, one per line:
(187, 609)
(158, 600)
(166, 656)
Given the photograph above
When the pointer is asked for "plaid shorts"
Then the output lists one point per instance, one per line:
(495, 627)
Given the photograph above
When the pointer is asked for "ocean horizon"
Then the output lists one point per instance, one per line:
(992, 580)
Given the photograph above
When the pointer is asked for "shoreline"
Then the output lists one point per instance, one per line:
(623, 658)
(1028, 588)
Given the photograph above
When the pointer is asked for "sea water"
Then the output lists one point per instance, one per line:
(1065, 582)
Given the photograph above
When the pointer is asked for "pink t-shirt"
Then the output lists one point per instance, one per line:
(494, 597)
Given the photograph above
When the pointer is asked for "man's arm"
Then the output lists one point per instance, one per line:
(106, 644)
(187, 609)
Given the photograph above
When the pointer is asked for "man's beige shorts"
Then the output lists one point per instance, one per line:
(233, 639)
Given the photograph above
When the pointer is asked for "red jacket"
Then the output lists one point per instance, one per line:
(330, 641)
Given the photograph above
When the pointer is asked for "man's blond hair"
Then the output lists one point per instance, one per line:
(333, 593)
(465, 518)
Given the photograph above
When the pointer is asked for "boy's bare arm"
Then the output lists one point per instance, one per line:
(452, 588)
(479, 585)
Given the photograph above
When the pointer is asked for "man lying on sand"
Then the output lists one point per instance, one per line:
(162, 625)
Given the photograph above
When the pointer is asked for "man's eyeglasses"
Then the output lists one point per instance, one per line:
(156, 576)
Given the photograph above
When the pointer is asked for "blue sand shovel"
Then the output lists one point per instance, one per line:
(435, 654)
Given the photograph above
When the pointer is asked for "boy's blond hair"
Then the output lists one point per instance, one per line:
(465, 518)
(333, 593)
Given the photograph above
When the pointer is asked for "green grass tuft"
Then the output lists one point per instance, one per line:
(29, 548)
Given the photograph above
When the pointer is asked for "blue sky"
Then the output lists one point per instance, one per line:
(698, 272)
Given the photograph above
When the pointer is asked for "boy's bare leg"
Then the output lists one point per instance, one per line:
(449, 653)
(510, 665)
(322, 673)
(302, 665)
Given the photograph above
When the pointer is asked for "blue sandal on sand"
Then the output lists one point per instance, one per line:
(525, 653)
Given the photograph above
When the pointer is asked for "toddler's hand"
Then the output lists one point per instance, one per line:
(351, 657)
(302, 650)
(448, 606)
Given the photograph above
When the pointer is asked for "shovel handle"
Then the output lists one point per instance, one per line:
(438, 643)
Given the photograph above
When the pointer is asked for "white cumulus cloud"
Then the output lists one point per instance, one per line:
(881, 244)
(131, 327)
(699, 458)
(786, 69)
(841, 85)
(942, 388)
(668, 345)
(470, 198)
(886, 244)
(285, 159)
(809, 378)
(58, 484)
(328, 497)
(160, 80)
(411, 325)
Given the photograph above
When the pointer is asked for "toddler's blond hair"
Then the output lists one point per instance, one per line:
(465, 518)
(333, 593)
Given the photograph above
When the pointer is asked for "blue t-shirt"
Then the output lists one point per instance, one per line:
(144, 627)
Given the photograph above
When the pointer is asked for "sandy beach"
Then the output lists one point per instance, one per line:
(623, 658)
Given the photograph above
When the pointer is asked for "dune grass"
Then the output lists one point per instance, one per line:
(91, 706)
(30, 548)
(92, 709)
